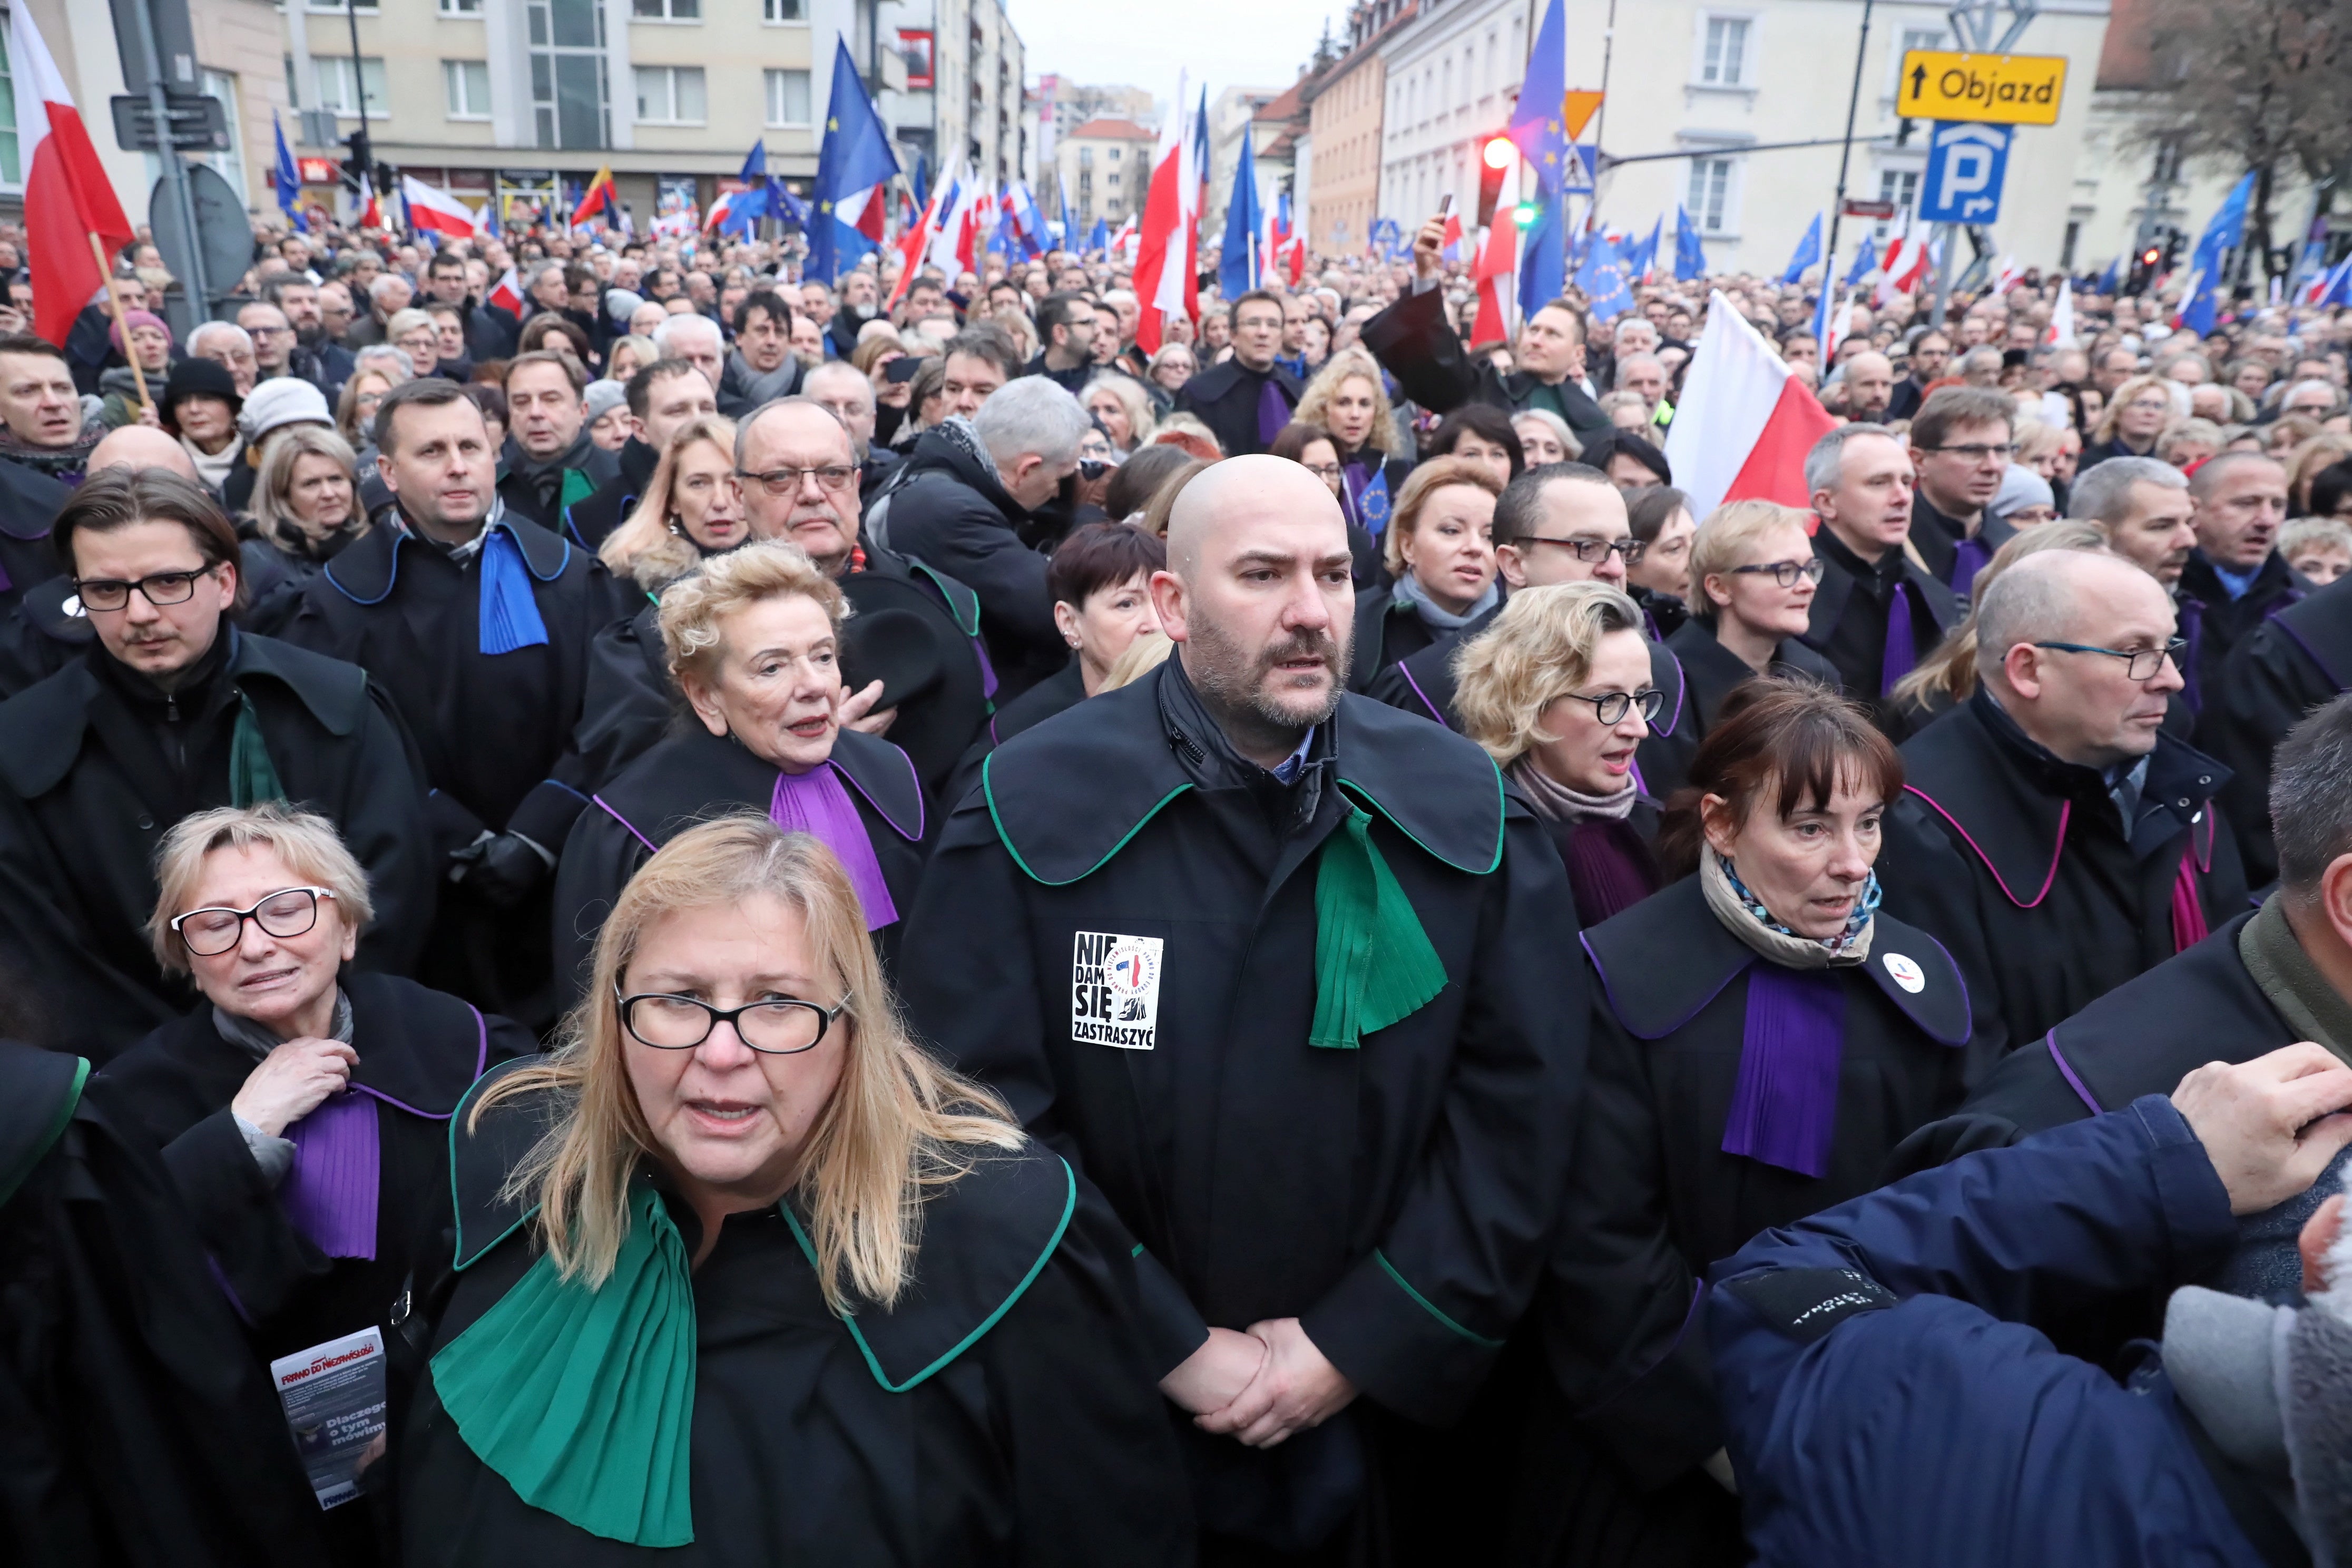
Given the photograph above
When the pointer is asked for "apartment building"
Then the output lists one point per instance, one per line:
(1344, 103)
(1106, 171)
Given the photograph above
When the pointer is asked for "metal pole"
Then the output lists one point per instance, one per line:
(1942, 241)
(1601, 116)
(1845, 157)
(359, 91)
(175, 173)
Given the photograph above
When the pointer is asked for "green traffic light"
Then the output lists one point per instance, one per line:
(1525, 215)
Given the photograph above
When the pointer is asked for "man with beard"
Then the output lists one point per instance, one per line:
(663, 396)
(552, 462)
(1930, 352)
(477, 621)
(316, 358)
(1163, 925)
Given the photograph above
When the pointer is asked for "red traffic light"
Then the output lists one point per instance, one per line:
(1499, 151)
(2151, 256)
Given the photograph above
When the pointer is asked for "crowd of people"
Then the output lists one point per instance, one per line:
(768, 920)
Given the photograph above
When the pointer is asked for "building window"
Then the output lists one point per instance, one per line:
(466, 88)
(11, 174)
(461, 7)
(783, 10)
(669, 95)
(229, 165)
(788, 97)
(2165, 169)
(1723, 59)
(1086, 157)
(571, 96)
(1115, 152)
(1900, 186)
(1710, 195)
(337, 7)
(1911, 39)
(667, 10)
(333, 73)
(1113, 180)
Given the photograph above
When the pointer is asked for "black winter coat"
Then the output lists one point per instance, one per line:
(496, 730)
(29, 502)
(1413, 343)
(1392, 1197)
(2215, 623)
(1003, 1413)
(1715, 672)
(1848, 624)
(545, 493)
(591, 521)
(96, 767)
(2295, 660)
(1225, 398)
(2019, 865)
(949, 512)
(1053, 695)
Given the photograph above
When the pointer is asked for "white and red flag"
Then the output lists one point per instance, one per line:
(436, 210)
(67, 197)
(1905, 263)
(1164, 252)
(507, 292)
(1745, 423)
(2060, 331)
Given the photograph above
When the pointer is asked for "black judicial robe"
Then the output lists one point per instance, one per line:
(1002, 1412)
(496, 730)
(2298, 659)
(38, 638)
(1393, 1197)
(1423, 684)
(1415, 344)
(1388, 629)
(130, 1410)
(1629, 845)
(88, 792)
(1053, 695)
(29, 502)
(1653, 1199)
(591, 520)
(2221, 620)
(1715, 672)
(696, 777)
(2018, 864)
(1225, 397)
(1848, 624)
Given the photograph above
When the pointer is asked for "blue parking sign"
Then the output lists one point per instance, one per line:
(1966, 162)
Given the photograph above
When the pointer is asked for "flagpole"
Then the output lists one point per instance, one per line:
(122, 322)
(1845, 154)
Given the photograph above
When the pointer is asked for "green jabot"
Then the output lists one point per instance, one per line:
(577, 487)
(1373, 964)
(252, 776)
(583, 1400)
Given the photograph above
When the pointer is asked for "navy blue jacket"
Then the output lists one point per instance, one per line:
(1887, 1396)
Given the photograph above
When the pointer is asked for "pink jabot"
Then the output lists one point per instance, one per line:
(2188, 927)
(816, 803)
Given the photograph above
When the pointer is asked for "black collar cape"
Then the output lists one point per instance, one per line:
(44, 1088)
(366, 573)
(713, 772)
(1067, 797)
(1714, 670)
(41, 728)
(2150, 1032)
(1653, 998)
(2320, 624)
(1838, 584)
(29, 500)
(1219, 379)
(2014, 808)
(963, 603)
(1428, 677)
(986, 1235)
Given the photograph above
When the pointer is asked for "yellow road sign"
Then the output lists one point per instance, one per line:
(1997, 90)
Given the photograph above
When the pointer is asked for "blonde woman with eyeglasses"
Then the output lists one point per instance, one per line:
(744, 1275)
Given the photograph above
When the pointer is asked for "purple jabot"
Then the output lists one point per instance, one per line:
(2192, 632)
(816, 803)
(330, 1194)
(5, 582)
(1969, 559)
(1785, 1107)
(987, 670)
(1610, 869)
(1902, 652)
(1273, 413)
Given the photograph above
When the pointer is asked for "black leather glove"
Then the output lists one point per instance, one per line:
(501, 868)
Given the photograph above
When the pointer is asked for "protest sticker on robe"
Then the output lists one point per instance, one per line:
(1114, 991)
(334, 1399)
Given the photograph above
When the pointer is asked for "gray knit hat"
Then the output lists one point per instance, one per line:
(602, 397)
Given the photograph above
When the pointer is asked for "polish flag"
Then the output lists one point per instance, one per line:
(436, 210)
(371, 210)
(67, 197)
(1904, 264)
(1160, 257)
(2060, 331)
(2010, 275)
(1449, 244)
(951, 246)
(1745, 423)
(507, 293)
(916, 243)
(1496, 263)
(1123, 238)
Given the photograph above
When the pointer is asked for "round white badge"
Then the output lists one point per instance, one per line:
(1907, 974)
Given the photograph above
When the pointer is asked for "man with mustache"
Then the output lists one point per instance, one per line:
(2051, 834)
(1277, 967)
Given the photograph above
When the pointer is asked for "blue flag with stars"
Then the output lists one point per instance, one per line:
(1690, 253)
(1808, 251)
(1372, 502)
(2223, 233)
(1606, 279)
(855, 158)
(1865, 260)
(1543, 261)
(286, 180)
(1539, 123)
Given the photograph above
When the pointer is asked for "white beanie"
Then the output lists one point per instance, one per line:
(281, 400)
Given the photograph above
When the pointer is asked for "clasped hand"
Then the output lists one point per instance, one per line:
(1261, 1386)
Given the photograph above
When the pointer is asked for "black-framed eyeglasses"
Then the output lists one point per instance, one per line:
(1592, 551)
(211, 931)
(775, 1029)
(159, 588)
(1977, 453)
(1786, 573)
(2140, 663)
(784, 481)
(1610, 707)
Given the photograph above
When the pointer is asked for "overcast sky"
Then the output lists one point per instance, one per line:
(1144, 42)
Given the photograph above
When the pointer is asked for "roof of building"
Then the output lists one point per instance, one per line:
(1113, 130)
(1285, 105)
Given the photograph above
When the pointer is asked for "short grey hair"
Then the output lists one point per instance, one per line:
(1827, 460)
(2209, 473)
(1983, 357)
(2030, 602)
(2335, 397)
(2102, 493)
(210, 329)
(678, 326)
(1626, 362)
(390, 355)
(542, 270)
(307, 843)
(385, 282)
(1031, 416)
(2311, 799)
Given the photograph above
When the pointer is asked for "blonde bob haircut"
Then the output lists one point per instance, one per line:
(898, 1121)
(692, 607)
(273, 487)
(1412, 498)
(1727, 536)
(643, 547)
(1540, 649)
(1345, 365)
(2112, 414)
(307, 843)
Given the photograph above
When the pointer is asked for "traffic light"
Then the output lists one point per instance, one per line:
(2143, 269)
(1493, 160)
(361, 163)
(1526, 214)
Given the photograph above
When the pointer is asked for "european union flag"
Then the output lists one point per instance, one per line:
(1808, 251)
(287, 180)
(1372, 503)
(1606, 279)
(2112, 278)
(1865, 260)
(1539, 123)
(2223, 232)
(1100, 238)
(856, 158)
(1238, 262)
(1543, 258)
(1690, 253)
